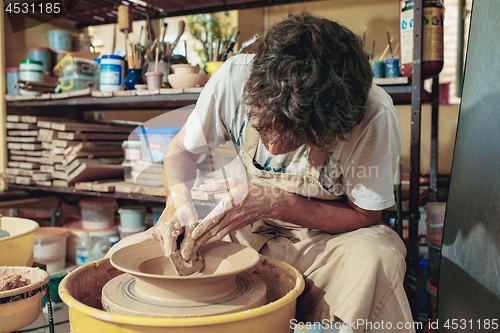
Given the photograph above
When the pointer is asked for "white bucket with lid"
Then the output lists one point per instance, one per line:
(30, 70)
(98, 213)
(76, 231)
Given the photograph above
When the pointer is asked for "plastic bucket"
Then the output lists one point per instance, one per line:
(435, 213)
(50, 248)
(132, 216)
(76, 231)
(81, 291)
(98, 213)
(60, 40)
(12, 74)
(17, 249)
(42, 54)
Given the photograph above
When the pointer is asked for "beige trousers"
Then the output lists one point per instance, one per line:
(356, 277)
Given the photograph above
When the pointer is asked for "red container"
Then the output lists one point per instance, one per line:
(432, 50)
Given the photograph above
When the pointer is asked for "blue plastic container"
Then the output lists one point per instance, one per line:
(60, 40)
(134, 77)
(377, 68)
(391, 67)
(42, 54)
(154, 141)
(12, 76)
(157, 210)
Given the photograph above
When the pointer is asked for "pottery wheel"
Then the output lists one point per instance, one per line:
(150, 287)
(120, 295)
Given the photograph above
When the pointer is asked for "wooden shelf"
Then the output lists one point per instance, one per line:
(400, 93)
(117, 195)
(114, 102)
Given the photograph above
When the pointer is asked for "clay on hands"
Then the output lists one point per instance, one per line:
(167, 232)
(251, 203)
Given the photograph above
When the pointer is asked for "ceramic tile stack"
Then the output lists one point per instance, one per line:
(60, 152)
(83, 151)
(25, 152)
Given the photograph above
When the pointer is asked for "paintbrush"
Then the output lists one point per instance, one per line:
(390, 44)
(363, 37)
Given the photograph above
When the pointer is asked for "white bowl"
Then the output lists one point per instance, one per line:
(185, 69)
(188, 80)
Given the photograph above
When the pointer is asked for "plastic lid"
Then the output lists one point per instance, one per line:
(132, 208)
(131, 144)
(12, 69)
(76, 226)
(38, 48)
(49, 232)
(97, 201)
(391, 60)
(112, 56)
(158, 130)
(33, 62)
(87, 61)
(55, 32)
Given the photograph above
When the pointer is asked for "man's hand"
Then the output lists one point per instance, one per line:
(244, 204)
(178, 217)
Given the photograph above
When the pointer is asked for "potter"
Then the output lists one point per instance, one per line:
(302, 107)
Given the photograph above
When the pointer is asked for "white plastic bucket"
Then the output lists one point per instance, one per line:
(112, 73)
(50, 248)
(76, 231)
(31, 70)
(98, 213)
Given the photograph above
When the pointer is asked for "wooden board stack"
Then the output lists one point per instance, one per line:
(60, 152)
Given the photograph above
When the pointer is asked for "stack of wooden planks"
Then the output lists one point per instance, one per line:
(60, 152)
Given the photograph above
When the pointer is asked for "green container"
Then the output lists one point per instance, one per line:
(132, 216)
(54, 286)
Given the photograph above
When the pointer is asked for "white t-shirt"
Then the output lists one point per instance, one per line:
(362, 168)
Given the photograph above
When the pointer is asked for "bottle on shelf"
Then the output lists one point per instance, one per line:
(83, 248)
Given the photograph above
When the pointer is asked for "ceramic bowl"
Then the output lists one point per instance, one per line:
(141, 86)
(188, 80)
(185, 69)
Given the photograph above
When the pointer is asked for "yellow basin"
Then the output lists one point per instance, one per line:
(17, 249)
(81, 291)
